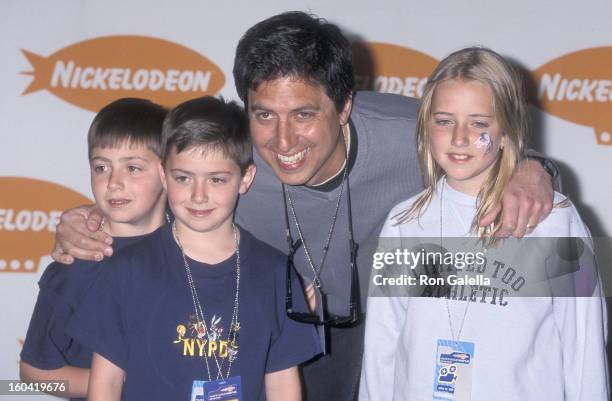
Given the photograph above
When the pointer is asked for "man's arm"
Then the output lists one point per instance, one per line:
(527, 200)
(105, 381)
(548, 165)
(283, 385)
(77, 378)
(78, 235)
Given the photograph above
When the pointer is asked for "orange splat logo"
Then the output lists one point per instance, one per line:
(94, 72)
(578, 87)
(388, 68)
(29, 211)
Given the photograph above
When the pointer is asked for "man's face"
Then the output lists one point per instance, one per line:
(296, 129)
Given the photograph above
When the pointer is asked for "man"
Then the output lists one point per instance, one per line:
(345, 161)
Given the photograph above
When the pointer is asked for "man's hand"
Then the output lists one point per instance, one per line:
(527, 201)
(78, 235)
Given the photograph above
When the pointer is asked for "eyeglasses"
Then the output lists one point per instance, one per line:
(329, 319)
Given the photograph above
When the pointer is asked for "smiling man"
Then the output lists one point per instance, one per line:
(295, 127)
(331, 164)
(338, 155)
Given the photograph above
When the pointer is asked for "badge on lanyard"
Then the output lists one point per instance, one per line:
(229, 389)
(453, 374)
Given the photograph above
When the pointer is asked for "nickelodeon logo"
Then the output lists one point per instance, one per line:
(29, 212)
(389, 68)
(578, 87)
(92, 73)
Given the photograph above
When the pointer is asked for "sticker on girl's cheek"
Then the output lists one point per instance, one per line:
(484, 141)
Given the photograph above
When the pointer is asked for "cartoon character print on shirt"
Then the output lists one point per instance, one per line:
(199, 339)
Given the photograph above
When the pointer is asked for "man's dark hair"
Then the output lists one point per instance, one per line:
(295, 44)
(209, 123)
(132, 121)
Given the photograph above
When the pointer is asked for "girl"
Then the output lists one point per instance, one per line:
(472, 127)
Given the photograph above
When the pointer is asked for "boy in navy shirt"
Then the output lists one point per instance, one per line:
(196, 310)
(124, 145)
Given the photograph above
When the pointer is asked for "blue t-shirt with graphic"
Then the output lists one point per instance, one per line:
(140, 316)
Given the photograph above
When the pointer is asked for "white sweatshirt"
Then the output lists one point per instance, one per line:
(530, 349)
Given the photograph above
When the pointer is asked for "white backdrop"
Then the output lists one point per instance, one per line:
(43, 135)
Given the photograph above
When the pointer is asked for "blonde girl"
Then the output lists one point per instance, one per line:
(491, 343)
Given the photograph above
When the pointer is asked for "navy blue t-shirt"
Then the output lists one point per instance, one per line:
(140, 316)
(61, 289)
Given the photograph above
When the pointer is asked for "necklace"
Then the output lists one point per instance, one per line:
(450, 319)
(211, 332)
(317, 270)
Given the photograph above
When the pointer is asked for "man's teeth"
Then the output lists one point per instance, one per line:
(293, 158)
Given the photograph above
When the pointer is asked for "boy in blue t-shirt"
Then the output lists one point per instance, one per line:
(124, 145)
(196, 310)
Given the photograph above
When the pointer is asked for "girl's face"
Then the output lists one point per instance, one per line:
(465, 134)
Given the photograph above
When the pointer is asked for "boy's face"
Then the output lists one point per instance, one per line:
(202, 187)
(296, 129)
(126, 184)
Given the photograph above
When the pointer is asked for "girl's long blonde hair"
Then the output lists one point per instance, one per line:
(510, 106)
